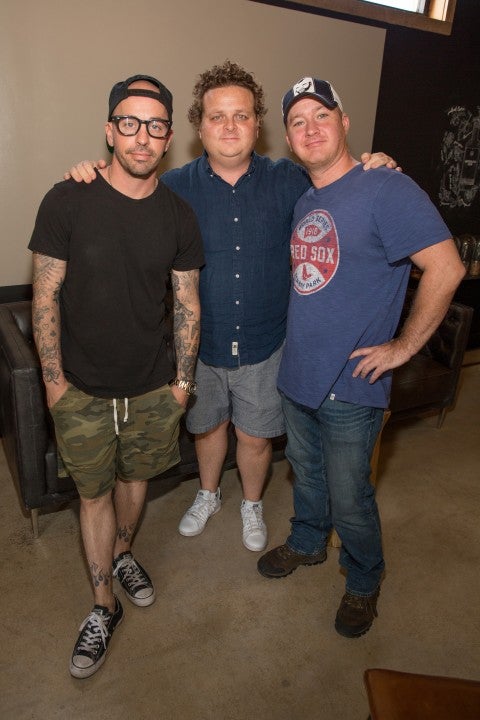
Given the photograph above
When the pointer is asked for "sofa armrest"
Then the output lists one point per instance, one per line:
(24, 424)
(447, 344)
(429, 380)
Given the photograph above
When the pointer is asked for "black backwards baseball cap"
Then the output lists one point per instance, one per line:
(311, 87)
(121, 90)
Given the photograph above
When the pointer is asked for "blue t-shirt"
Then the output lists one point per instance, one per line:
(245, 282)
(350, 250)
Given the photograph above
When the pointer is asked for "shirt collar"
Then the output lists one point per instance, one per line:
(206, 164)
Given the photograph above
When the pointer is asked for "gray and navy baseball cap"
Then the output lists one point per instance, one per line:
(321, 90)
(121, 90)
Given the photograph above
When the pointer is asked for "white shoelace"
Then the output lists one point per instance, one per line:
(253, 518)
(134, 576)
(201, 508)
(92, 636)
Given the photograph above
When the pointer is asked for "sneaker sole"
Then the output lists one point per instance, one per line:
(188, 533)
(348, 633)
(255, 549)
(140, 602)
(289, 572)
(83, 673)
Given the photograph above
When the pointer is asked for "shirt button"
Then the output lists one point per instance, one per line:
(237, 302)
(238, 327)
(237, 247)
(237, 275)
(235, 219)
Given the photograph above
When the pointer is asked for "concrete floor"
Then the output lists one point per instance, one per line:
(223, 643)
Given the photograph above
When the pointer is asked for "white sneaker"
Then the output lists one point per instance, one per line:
(206, 504)
(254, 529)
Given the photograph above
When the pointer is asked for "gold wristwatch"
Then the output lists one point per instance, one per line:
(187, 385)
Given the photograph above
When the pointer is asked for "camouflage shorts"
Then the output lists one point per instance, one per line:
(130, 438)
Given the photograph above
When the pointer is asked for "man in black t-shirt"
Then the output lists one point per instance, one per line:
(102, 255)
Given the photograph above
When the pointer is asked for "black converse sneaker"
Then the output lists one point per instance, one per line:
(133, 579)
(95, 634)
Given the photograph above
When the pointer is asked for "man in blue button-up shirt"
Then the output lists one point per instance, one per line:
(244, 203)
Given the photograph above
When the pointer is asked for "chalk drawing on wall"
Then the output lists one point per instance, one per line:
(460, 158)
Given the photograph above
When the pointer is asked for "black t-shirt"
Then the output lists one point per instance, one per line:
(119, 254)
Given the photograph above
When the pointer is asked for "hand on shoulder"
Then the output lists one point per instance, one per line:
(84, 171)
(378, 159)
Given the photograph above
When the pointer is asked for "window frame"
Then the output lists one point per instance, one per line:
(357, 9)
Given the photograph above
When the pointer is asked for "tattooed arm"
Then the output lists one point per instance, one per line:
(48, 276)
(186, 326)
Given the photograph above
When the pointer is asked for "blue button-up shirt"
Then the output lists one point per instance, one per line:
(244, 285)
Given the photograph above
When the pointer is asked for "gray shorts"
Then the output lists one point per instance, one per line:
(247, 396)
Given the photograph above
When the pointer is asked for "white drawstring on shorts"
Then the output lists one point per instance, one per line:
(115, 413)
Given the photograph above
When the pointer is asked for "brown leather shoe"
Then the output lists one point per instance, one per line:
(281, 561)
(356, 614)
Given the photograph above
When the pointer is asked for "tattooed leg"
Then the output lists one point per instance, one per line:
(129, 499)
(100, 576)
(125, 534)
(97, 522)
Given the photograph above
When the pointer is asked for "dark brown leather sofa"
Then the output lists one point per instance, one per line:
(427, 382)
(27, 429)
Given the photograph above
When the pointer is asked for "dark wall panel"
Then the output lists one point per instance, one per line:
(428, 119)
(428, 114)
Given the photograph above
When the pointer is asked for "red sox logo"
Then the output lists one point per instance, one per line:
(315, 252)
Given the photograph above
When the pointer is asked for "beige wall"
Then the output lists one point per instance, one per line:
(59, 59)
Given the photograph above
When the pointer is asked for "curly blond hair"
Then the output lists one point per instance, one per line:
(222, 76)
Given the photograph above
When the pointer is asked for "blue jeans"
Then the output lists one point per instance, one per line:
(329, 450)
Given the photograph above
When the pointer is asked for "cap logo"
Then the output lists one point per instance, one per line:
(304, 85)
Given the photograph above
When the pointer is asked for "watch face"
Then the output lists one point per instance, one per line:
(190, 387)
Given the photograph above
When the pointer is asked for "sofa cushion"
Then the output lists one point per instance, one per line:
(419, 382)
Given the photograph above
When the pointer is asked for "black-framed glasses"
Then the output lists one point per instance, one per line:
(130, 125)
